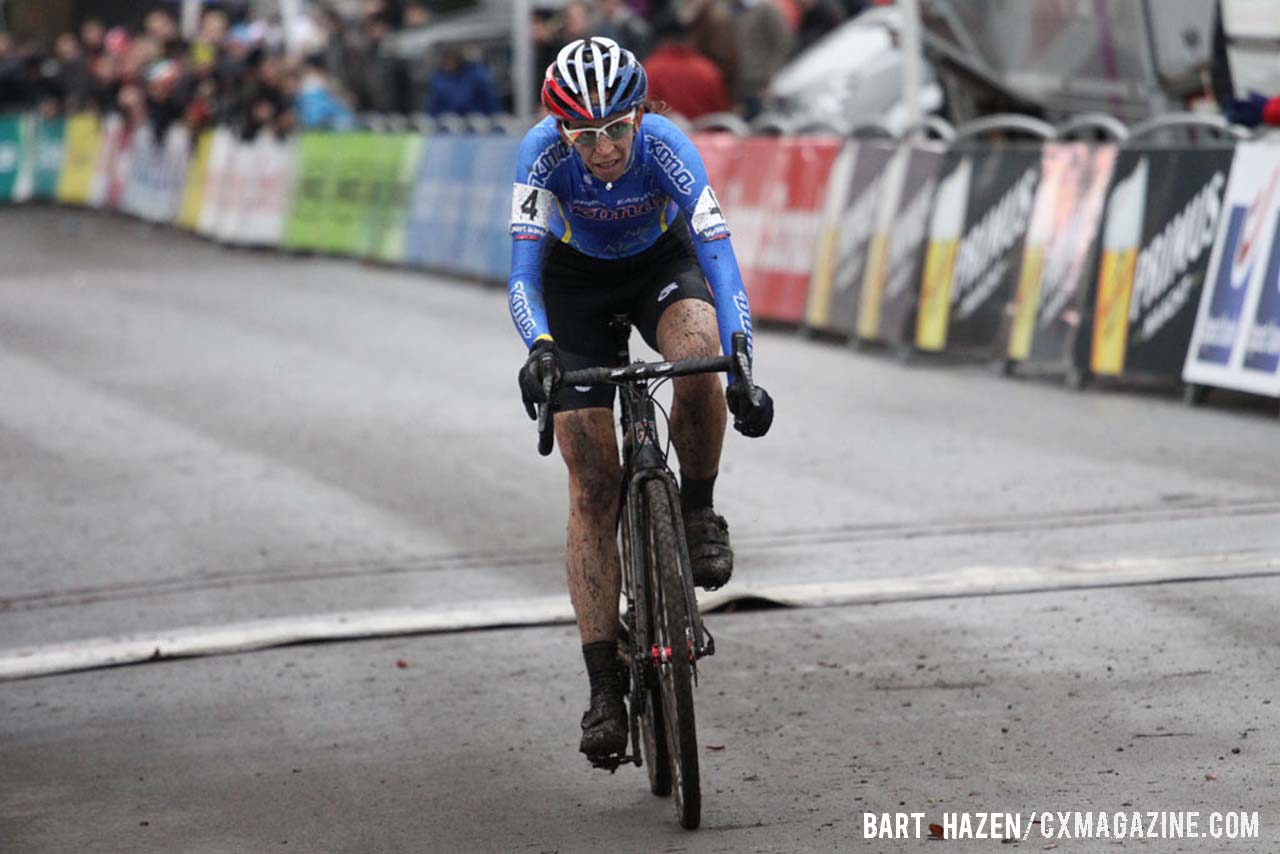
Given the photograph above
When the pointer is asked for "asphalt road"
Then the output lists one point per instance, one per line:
(194, 437)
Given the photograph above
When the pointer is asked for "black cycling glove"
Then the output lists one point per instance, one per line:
(752, 410)
(543, 362)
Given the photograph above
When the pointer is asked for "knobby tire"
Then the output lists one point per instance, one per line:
(672, 629)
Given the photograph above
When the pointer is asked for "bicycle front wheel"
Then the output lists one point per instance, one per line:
(673, 637)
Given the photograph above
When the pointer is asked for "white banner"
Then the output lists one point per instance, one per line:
(267, 189)
(1236, 343)
(215, 189)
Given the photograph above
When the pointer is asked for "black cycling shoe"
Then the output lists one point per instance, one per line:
(604, 725)
(707, 534)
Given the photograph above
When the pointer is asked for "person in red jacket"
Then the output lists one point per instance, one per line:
(686, 80)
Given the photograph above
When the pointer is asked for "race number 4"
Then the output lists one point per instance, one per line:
(531, 209)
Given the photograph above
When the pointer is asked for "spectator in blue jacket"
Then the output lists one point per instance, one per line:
(460, 85)
(315, 102)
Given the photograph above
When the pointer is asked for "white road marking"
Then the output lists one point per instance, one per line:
(548, 610)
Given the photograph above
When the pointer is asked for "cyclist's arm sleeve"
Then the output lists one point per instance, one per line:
(685, 179)
(532, 208)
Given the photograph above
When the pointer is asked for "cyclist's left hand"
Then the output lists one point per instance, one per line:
(752, 409)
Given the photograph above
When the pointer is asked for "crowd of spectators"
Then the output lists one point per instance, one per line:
(702, 56)
(254, 74)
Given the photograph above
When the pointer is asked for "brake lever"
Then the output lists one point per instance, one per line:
(741, 359)
(546, 430)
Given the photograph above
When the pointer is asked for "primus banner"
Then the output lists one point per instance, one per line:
(853, 201)
(1162, 216)
(976, 236)
(890, 287)
(1059, 249)
(1236, 341)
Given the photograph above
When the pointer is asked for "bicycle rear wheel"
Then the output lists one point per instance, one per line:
(653, 743)
(673, 636)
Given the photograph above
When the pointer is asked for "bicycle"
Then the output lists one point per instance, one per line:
(662, 635)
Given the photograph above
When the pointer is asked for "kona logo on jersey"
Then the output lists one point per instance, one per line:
(1165, 260)
(743, 305)
(547, 162)
(671, 164)
(613, 213)
(666, 292)
(521, 313)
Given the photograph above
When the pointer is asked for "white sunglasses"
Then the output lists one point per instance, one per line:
(615, 130)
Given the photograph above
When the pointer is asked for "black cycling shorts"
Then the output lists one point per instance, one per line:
(582, 294)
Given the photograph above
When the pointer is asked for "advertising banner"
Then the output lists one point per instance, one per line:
(754, 193)
(266, 191)
(836, 286)
(111, 173)
(314, 186)
(144, 187)
(218, 177)
(436, 218)
(174, 161)
(818, 312)
(390, 247)
(485, 249)
(355, 176)
(10, 155)
(780, 282)
(383, 167)
(719, 157)
(1236, 339)
(890, 286)
(80, 158)
(24, 185)
(193, 190)
(975, 249)
(238, 175)
(1161, 220)
(1060, 246)
(50, 136)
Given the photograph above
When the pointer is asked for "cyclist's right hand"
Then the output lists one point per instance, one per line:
(543, 363)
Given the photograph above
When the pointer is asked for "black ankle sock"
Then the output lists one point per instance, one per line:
(696, 493)
(602, 663)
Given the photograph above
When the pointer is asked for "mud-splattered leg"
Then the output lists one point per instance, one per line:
(688, 330)
(590, 450)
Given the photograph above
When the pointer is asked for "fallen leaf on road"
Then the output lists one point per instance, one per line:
(402, 663)
(935, 830)
(1210, 777)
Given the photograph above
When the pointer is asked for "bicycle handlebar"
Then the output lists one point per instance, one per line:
(647, 371)
(739, 363)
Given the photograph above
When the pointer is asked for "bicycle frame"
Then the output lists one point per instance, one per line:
(643, 460)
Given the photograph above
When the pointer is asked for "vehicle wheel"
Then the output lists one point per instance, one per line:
(673, 634)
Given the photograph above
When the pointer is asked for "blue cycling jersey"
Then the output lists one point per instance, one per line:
(557, 198)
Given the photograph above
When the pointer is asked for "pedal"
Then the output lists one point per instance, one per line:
(610, 762)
